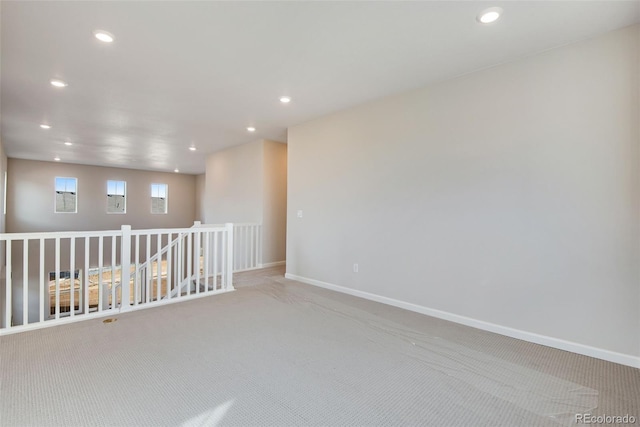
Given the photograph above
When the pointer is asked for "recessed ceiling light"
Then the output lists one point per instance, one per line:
(43, 126)
(251, 129)
(192, 148)
(58, 83)
(285, 99)
(68, 143)
(103, 36)
(57, 159)
(176, 170)
(490, 15)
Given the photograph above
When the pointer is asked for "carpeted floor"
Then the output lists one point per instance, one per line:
(278, 352)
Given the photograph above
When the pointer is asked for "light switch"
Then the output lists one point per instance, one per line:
(300, 213)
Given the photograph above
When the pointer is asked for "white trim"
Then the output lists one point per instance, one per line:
(260, 266)
(272, 264)
(598, 353)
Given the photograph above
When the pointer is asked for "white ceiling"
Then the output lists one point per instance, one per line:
(183, 73)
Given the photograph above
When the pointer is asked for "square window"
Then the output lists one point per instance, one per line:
(66, 195)
(159, 198)
(116, 197)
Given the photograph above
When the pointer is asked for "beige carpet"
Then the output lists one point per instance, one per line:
(277, 352)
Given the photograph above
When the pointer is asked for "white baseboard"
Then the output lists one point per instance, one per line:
(598, 353)
(273, 264)
(259, 266)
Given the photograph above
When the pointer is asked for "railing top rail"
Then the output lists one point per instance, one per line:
(60, 234)
(178, 230)
(103, 233)
(235, 224)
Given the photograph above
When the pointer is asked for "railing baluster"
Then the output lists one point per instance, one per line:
(85, 280)
(8, 285)
(158, 267)
(245, 248)
(253, 237)
(199, 266)
(238, 250)
(113, 272)
(176, 267)
(242, 249)
(41, 300)
(181, 262)
(169, 250)
(215, 260)
(234, 255)
(205, 258)
(148, 268)
(223, 259)
(237, 255)
(125, 267)
(100, 267)
(57, 250)
(181, 244)
(25, 281)
(225, 262)
(228, 285)
(72, 276)
(196, 259)
(189, 262)
(136, 277)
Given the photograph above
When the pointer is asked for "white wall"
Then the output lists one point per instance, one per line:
(247, 183)
(509, 196)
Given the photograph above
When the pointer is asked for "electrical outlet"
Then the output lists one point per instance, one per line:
(355, 268)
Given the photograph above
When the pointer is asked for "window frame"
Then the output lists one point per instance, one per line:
(166, 198)
(116, 182)
(55, 194)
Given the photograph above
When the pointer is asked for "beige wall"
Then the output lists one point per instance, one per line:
(508, 196)
(3, 169)
(275, 201)
(234, 185)
(247, 183)
(30, 198)
(201, 194)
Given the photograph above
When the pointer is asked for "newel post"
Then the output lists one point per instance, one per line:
(125, 267)
(229, 276)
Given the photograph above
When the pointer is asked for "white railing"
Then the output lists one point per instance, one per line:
(247, 238)
(194, 261)
(60, 277)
